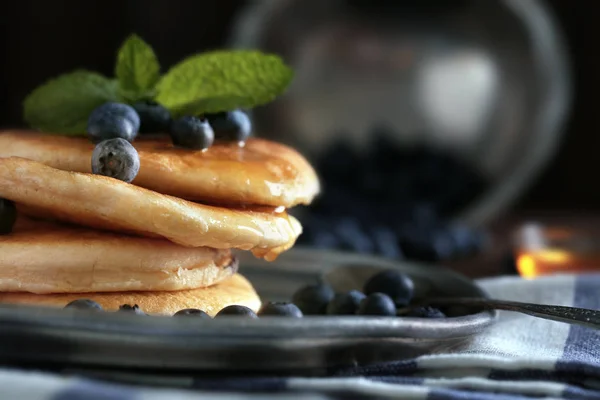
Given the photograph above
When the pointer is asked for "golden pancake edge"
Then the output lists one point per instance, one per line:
(106, 203)
(41, 257)
(260, 173)
(233, 291)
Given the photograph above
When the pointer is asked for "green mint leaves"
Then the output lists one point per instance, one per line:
(205, 83)
(222, 81)
(63, 104)
(137, 69)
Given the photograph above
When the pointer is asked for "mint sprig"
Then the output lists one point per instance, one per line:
(137, 69)
(63, 104)
(222, 81)
(205, 83)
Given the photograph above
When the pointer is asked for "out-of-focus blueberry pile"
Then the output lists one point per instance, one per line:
(393, 201)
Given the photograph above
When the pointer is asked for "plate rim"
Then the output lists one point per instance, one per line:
(265, 328)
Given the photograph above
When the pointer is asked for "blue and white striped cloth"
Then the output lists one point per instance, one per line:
(520, 357)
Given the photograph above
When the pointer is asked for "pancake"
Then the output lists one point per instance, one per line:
(47, 258)
(260, 173)
(235, 290)
(106, 203)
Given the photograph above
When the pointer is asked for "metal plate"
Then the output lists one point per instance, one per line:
(111, 340)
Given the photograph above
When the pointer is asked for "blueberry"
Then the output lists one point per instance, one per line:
(84, 304)
(116, 158)
(427, 245)
(240, 311)
(384, 149)
(386, 242)
(424, 215)
(313, 299)
(442, 247)
(135, 309)
(345, 303)
(466, 240)
(113, 120)
(8, 216)
(192, 133)
(154, 118)
(281, 309)
(395, 284)
(325, 240)
(233, 125)
(338, 162)
(352, 237)
(425, 312)
(192, 312)
(462, 238)
(377, 304)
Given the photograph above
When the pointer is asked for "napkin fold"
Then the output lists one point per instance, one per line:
(519, 357)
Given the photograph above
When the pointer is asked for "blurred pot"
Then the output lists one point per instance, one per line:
(486, 80)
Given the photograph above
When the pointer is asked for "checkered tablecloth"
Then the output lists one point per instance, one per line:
(520, 357)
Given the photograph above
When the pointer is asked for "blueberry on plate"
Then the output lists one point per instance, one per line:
(395, 284)
(84, 304)
(345, 303)
(154, 117)
(116, 158)
(192, 133)
(281, 309)
(135, 309)
(240, 311)
(377, 304)
(232, 125)
(192, 312)
(113, 120)
(313, 299)
(425, 312)
(8, 216)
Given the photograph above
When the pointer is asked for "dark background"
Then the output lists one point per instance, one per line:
(41, 39)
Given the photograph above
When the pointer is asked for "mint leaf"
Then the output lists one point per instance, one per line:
(62, 105)
(201, 106)
(222, 81)
(137, 69)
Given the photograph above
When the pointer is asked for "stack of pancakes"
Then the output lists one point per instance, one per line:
(162, 242)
